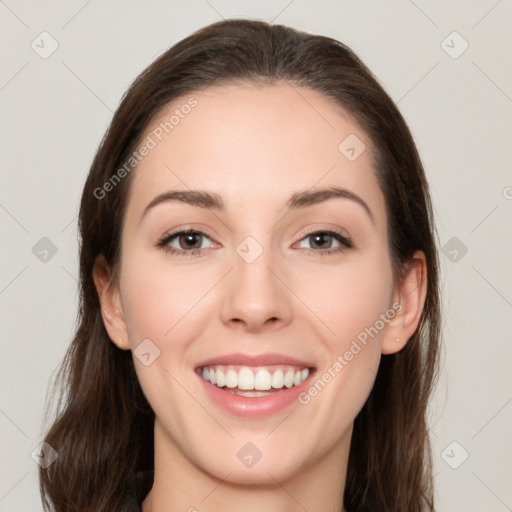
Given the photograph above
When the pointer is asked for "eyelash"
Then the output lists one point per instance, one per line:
(345, 242)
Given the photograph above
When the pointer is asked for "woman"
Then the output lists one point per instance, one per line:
(256, 232)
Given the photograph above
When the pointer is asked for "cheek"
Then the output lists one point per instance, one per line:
(348, 298)
(350, 302)
(160, 299)
(161, 303)
(352, 305)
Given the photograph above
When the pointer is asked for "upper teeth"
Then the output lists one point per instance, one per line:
(250, 378)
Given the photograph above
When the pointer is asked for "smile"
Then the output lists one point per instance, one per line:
(254, 386)
(254, 381)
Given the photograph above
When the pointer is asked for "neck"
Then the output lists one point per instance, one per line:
(180, 485)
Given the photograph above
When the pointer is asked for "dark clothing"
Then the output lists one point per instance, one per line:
(140, 487)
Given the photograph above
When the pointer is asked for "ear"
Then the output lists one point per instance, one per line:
(111, 307)
(411, 294)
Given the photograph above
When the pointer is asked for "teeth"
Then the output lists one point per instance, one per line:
(278, 379)
(247, 379)
(288, 378)
(221, 378)
(231, 379)
(263, 380)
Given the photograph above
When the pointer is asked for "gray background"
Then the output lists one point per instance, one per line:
(458, 104)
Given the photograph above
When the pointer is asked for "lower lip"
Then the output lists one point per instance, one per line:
(257, 406)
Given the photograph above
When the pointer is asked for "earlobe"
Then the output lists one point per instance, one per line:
(411, 294)
(111, 307)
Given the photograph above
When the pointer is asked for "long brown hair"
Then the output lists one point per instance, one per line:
(103, 430)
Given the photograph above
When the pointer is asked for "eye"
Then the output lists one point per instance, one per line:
(321, 242)
(186, 242)
(191, 242)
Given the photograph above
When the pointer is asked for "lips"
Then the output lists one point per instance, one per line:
(257, 360)
(254, 386)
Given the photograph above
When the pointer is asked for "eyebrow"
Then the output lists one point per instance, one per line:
(213, 201)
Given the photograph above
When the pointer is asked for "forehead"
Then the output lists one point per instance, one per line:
(253, 141)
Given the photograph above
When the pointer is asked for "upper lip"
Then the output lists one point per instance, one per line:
(255, 360)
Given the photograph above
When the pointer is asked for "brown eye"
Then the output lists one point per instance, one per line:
(186, 243)
(321, 242)
(190, 241)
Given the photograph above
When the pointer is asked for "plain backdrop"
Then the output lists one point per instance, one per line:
(65, 66)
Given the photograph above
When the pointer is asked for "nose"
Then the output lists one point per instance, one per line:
(256, 298)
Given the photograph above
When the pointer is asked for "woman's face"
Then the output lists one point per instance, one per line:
(283, 282)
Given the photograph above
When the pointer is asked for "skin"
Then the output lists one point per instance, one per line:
(255, 146)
